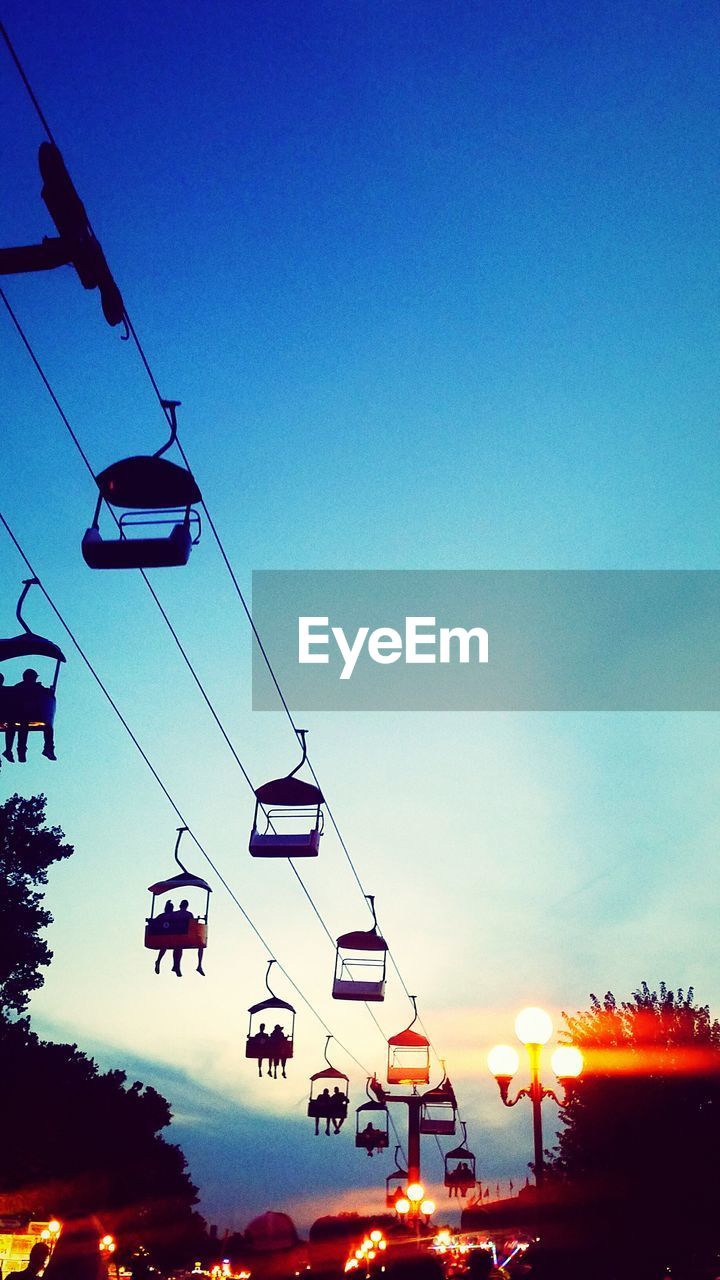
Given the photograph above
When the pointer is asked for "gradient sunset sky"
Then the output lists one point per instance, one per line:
(436, 284)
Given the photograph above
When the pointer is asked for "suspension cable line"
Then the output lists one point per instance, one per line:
(148, 369)
(172, 802)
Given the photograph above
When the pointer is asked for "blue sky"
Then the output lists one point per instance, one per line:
(437, 287)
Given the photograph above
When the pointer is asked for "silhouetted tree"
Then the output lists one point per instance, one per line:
(76, 1141)
(641, 1134)
(27, 849)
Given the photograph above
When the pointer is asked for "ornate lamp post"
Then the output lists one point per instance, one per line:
(414, 1205)
(534, 1028)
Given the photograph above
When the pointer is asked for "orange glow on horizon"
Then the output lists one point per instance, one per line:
(646, 1060)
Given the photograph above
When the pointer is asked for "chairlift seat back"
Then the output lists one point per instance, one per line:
(137, 553)
(360, 989)
(31, 707)
(262, 1045)
(163, 934)
(408, 1075)
(375, 1141)
(332, 1108)
(439, 1125)
(272, 844)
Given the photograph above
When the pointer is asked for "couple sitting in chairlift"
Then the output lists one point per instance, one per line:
(329, 1107)
(177, 923)
(22, 705)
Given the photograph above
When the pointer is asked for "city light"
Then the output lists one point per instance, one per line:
(415, 1192)
(503, 1061)
(567, 1062)
(533, 1026)
(367, 1251)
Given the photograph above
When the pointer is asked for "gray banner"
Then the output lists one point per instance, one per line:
(515, 640)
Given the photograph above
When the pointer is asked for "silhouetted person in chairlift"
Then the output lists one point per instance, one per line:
(372, 1138)
(279, 1050)
(338, 1108)
(461, 1178)
(30, 705)
(259, 1045)
(6, 718)
(323, 1110)
(166, 918)
(181, 920)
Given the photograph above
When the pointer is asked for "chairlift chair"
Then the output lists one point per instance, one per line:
(395, 1183)
(28, 706)
(372, 1125)
(409, 1056)
(172, 929)
(292, 813)
(460, 1169)
(152, 492)
(360, 963)
(439, 1109)
(329, 1108)
(277, 1045)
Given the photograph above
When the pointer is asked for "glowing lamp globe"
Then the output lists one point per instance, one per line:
(567, 1062)
(533, 1026)
(503, 1061)
(402, 1205)
(427, 1207)
(415, 1192)
(376, 1236)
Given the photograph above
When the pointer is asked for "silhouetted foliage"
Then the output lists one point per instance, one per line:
(27, 849)
(641, 1134)
(76, 1141)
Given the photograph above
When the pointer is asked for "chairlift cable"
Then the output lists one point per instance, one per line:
(26, 82)
(66, 422)
(83, 455)
(104, 689)
(73, 435)
(76, 441)
(178, 811)
(146, 364)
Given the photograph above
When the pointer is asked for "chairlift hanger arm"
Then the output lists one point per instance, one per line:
(370, 899)
(302, 735)
(27, 584)
(52, 252)
(180, 833)
(169, 407)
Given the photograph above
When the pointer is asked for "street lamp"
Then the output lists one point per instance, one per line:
(414, 1205)
(533, 1028)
